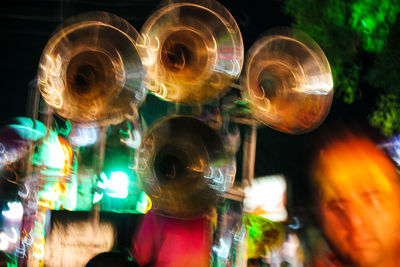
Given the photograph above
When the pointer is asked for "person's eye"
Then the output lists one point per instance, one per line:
(336, 208)
(373, 199)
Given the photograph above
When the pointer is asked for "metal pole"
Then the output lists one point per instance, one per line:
(249, 155)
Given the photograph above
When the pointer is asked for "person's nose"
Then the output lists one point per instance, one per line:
(356, 219)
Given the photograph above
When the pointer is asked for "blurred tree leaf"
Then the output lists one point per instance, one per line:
(347, 31)
(387, 114)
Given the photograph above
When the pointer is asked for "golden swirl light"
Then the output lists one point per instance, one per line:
(191, 51)
(288, 82)
(90, 71)
(184, 167)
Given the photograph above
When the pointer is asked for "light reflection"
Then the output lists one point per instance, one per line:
(29, 129)
(14, 212)
(5, 239)
(52, 80)
(222, 251)
(115, 185)
(83, 136)
(393, 148)
(133, 137)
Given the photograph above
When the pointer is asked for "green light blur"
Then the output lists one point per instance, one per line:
(50, 154)
(118, 191)
(50, 194)
(28, 129)
(97, 197)
(115, 186)
(65, 131)
(70, 202)
(61, 188)
(143, 204)
(262, 234)
(11, 260)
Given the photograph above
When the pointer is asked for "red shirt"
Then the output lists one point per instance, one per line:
(164, 241)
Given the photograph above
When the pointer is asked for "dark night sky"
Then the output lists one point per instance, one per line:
(25, 27)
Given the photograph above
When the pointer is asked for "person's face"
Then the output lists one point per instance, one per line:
(360, 208)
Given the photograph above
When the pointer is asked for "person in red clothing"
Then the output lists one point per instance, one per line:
(163, 241)
(359, 202)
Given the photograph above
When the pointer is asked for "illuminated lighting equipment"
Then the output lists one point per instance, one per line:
(50, 196)
(38, 246)
(222, 250)
(67, 152)
(266, 198)
(191, 51)
(133, 140)
(25, 192)
(55, 159)
(83, 136)
(183, 167)
(229, 234)
(28, 129)
(51, 154)
(143, 205)
(116, 186)
(219, 181)
(292, 250)
(13, 239)
(15, 139)
(5, 240)
(90, 72)
(296, 224)
(26, 241)
(287, 82)
(393, 148)
(103, 182)
(97, 197)
(14, 212)
(72, 193)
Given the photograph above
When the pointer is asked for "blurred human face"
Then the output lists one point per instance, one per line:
(360, 206)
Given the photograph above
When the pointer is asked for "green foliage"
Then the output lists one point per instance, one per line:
(371, 19)
(326, 21)
(343, 29)
(385, 75)
(347, 31)
(387, 115)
